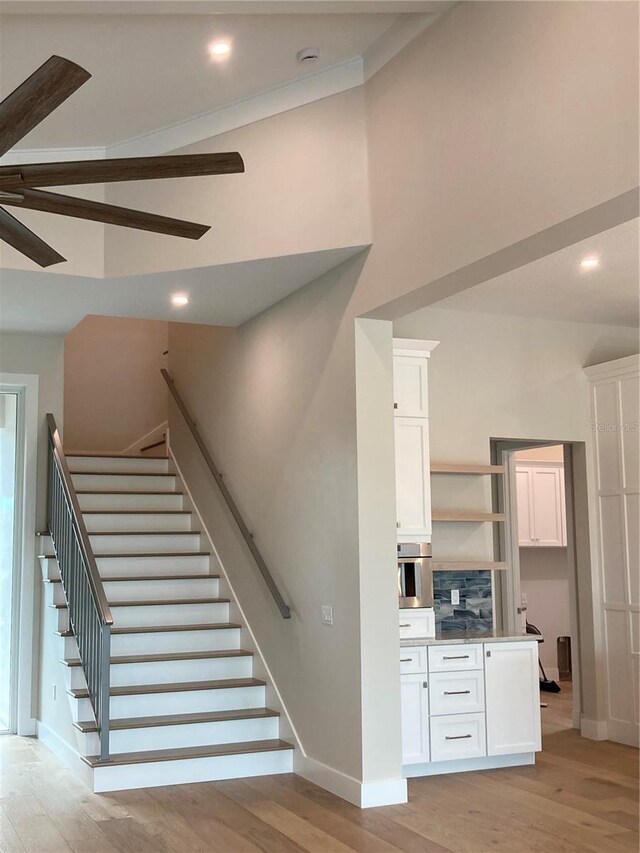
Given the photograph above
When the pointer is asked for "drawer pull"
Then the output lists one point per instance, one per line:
(457, 737)
(455, 692)
(406, 660)
(407, 625)
(453, 657)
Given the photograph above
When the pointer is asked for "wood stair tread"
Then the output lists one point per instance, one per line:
(126, 473)
(71, 454)
(154, 602)
(157, 629)
(169, 657)
(137, 511)
(145, 533)
(173, 687)
(155, 554)
(119, 492)
(188, 752)
(117, 579)
(179, 719)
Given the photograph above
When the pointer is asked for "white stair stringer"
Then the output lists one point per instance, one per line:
(185, 704)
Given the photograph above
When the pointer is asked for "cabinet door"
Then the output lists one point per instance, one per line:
(512, 697)
(413, 495)
(415, 719)
(548, 512)
(525, 508)
(410, 386)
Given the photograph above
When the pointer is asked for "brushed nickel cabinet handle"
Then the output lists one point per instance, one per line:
(406, 660)
(457, 737)
(455, 657)
(455, 692)
(408, 625)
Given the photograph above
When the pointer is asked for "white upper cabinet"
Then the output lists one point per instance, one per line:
(413, 487)
(541, 510)
(512, 698)
(410, 386)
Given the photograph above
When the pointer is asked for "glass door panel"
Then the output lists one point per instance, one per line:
(8, 453)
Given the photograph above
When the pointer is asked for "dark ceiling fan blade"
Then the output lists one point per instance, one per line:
(130, 169)
(83, 208)
(39, 95)
(25, 241)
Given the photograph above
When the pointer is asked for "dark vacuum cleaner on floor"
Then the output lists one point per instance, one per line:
(545, 684)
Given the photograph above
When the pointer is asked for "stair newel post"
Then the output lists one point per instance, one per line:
(105, 663)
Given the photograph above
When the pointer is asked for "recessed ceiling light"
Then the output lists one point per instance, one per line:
(589, 263)
(219, 48)
(179, 299)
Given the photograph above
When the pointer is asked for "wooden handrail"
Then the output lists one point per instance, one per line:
(226, 494)
(87, 551)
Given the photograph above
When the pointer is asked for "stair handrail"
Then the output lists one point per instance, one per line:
(90, 616)
(226, 494)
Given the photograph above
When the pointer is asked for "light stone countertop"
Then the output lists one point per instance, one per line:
(459, 637)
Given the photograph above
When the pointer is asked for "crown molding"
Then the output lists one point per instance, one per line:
(397, 37)
(51, 155)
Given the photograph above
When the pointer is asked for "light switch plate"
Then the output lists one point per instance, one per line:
(326, 614)
(455, 596)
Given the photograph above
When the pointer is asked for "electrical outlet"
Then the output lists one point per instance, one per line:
(455, 596)
(326, 614)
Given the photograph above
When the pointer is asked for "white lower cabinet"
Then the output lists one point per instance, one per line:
(469, 701)
(415, 719)
(513, 698)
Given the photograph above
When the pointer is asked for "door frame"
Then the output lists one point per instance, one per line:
(506, 543)
(25, 386)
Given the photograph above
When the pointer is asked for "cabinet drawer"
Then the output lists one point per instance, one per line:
(452, 658)
(416, 623)
(413, 659)
(459, 736)
(456, 692)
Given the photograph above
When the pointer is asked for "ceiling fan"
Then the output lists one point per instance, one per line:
(24, 109)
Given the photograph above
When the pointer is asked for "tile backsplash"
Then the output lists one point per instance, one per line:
(474, 613)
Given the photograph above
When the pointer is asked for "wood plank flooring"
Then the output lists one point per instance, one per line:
(581, 797)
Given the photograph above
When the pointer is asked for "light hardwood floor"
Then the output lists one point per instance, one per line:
(581, 797)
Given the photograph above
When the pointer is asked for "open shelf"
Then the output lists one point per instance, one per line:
(463, 468)
(465, 515)
(466, 565)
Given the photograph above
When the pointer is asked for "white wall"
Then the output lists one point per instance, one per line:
(500, 121)
(304, 189)
(114, 393)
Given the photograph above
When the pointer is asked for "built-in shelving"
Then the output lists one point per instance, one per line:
(465, 468)
(466, 565)
(465, 515)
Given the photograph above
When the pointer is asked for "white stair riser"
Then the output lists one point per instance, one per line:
(124, 482)
(145, 465)
(156, 590)
(175, 737)
(162, 564)
(167, 672)
(96, 501)
(131, 522)
(181, 702)
(145, 590)
(169, 614)
(180, 772)
(126, 543)
(175, 641)
(49, 568)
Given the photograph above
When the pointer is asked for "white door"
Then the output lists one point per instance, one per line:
(525, 507)
(512, 697)
(413, 496)
(548, 512)
(410, 386)
(415, 719)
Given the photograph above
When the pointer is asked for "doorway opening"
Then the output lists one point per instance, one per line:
(9, 527)
(540, 593)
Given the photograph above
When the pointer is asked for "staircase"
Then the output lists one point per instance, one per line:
(184, 703)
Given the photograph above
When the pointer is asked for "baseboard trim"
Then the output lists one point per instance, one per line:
(66, 753)
(623, 732)
(365, 795)
(593, 729)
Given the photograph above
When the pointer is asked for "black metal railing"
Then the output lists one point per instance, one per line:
(89, 614)
(226, 494)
